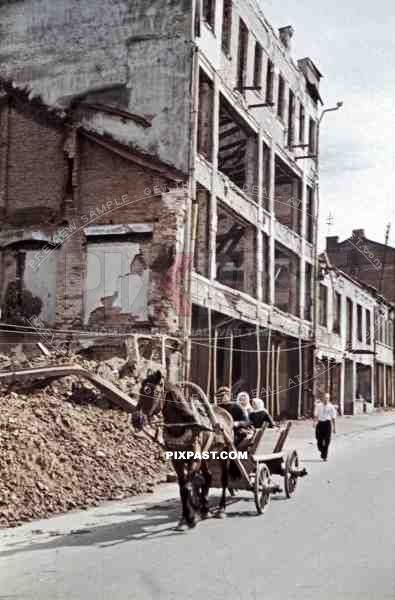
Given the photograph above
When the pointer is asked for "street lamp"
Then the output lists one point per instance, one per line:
(315, 249)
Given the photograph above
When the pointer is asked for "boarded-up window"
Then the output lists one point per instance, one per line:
(117, 280)
(28, 282)
(227, 26)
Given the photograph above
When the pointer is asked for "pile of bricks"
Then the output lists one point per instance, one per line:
(63, 446)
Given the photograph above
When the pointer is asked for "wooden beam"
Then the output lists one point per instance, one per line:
(116, 395)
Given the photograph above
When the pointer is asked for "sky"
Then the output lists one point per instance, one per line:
(353, 45)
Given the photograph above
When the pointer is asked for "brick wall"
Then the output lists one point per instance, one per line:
(51, 186)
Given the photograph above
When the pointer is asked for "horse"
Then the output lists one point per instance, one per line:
(183, 433)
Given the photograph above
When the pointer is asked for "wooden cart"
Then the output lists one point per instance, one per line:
(266, 457)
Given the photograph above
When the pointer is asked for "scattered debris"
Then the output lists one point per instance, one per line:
(64, 446)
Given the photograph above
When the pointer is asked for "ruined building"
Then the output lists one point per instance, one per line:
(138, 138)
(355, 338)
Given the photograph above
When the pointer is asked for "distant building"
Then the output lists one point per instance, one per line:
(355, 344)
(371, 262)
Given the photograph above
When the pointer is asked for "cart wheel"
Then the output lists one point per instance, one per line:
(262, 486)
(290, 480)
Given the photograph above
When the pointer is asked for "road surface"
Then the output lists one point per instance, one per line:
(335, 540)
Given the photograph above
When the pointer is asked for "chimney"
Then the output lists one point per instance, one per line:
(359, 233)
(332, 242)
(286, 34)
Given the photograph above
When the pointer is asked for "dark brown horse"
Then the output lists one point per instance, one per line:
(182, 432)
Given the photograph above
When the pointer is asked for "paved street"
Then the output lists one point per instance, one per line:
(334, 540)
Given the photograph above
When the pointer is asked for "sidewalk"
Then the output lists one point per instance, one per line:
(166, 496)
(302, 431)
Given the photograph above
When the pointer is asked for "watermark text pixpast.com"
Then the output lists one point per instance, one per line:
(189, 455)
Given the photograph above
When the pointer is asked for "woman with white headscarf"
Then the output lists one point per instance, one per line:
(259, 415)
(243, 401)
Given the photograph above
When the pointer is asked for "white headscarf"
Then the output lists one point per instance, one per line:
(246, 409)
(257, 404)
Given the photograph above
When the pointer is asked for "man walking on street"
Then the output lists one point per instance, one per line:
(325, 424)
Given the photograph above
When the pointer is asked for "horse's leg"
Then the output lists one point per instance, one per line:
(204, 506)
(221, 513)
(179, 468)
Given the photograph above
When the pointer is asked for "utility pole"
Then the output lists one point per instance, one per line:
(316, 283)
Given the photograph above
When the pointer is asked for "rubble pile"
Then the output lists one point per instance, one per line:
(64, 446)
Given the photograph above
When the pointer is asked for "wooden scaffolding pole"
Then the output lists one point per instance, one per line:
(258, 361)
(300, 379)
(278, 380)
(215, 364)
(268, 366)
(231, 362)
(210, 352)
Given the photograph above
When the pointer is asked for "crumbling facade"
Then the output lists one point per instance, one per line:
(355, 340)
(195, 123)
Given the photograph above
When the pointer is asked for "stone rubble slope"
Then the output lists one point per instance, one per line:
(63, 446)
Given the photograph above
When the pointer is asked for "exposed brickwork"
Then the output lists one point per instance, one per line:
(78, 183)
(36, 169)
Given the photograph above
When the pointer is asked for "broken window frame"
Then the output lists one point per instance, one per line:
(323, 305)
(242, 56)
(288, 210)
(242, 153)
(310, 214)
(308, 296)
(201, 256)
(208, 13)
(238, 224)
(337, 313)
(312, 136)
(291, 118)
(281, 97)
(266, 279)
(292, 305)
(205, 119)
(349, 322)
(368, 321)
(302, 123)
(359, 323)
(258, 63)
(269, 82)
(227, 17)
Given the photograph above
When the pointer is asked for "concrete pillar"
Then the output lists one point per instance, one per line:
(342, 387)
(354, 384)
(271, 228)
(213, 199)
(259, 245)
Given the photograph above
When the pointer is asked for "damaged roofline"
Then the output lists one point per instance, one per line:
(65, 116)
